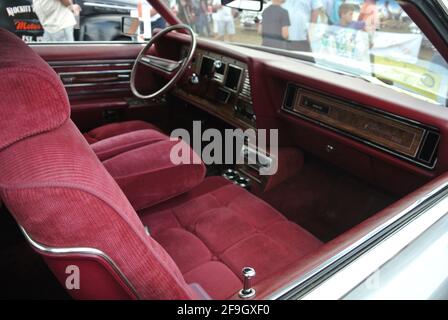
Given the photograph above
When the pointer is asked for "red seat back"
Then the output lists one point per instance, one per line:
(60, 194)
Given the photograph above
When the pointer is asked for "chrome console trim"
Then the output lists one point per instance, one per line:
(80, 250)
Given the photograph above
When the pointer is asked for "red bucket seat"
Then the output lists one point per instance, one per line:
(74, 214)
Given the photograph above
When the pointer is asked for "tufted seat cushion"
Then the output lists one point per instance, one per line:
(218, 229)
(146, 173)
(136, 155)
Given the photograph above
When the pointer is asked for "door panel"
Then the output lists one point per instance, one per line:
(96, 77)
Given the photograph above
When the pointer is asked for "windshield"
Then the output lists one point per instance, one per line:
(372, 39)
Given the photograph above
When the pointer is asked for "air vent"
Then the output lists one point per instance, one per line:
(428, 152)
(245, 93)
(290, 95)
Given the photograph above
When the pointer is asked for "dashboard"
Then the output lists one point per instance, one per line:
(220, 85)
(372, 131)
(223, 88)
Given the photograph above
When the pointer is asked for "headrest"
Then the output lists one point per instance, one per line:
(32, 97)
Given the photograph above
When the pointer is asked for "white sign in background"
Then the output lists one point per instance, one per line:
(355, 51)
(397, 46)
(340, 48)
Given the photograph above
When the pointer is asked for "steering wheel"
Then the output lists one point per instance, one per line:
(171, 69)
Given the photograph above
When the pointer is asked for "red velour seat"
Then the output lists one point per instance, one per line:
(218, 228)
(76, 216)
(58, 191)
(136, 159)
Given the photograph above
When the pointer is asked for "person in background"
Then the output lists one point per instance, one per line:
(384, 11)
(301, 14)
(185, 13)
(369, 15)
(195, 7)
(389, 11)
(157, 21)
(327, 9)
(333, 11)
(274, 26)
(57, 17)
(225, 26)
(213, 15)
(202, 26)
(346, 12)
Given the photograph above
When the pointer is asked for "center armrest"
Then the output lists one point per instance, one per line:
(148, 176)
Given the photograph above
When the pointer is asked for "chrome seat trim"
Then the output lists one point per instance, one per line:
(80, 250)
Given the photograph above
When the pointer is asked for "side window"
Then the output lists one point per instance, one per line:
(76, 20)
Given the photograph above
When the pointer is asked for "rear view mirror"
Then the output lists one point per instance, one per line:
(131, 26)
(250, 5)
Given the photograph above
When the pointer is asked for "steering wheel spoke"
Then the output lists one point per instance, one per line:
(171, 70)
(158, 64)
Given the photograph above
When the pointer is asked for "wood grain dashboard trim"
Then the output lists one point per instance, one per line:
(221, 111)
(389, 133)
(392, 133)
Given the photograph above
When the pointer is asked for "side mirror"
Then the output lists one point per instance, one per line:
(250, 5)
(131, 26)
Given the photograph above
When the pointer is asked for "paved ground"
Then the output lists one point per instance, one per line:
(246, 36)
(243, 35)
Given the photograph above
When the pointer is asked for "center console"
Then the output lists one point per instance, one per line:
(261, 171)
(220, 85)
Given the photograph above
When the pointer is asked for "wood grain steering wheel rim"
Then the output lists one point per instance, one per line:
(171, 68)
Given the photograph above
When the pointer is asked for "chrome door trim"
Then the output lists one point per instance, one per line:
(80, 250)
(91, 63)
(352, 251)
(96, 84)
(69, 79)
(93, 72)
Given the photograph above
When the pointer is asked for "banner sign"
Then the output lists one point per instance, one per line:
(384, 55)
(397, 46)
(18, 17)
(340, 48)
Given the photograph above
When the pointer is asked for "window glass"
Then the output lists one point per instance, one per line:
(372, 39)
(445, 3)
(76, 20)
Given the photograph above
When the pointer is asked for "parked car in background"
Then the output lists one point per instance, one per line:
(250, 19)
(99, 20)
